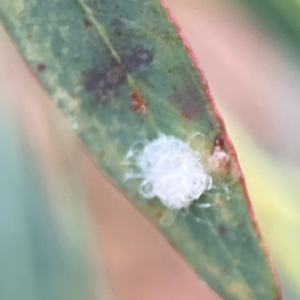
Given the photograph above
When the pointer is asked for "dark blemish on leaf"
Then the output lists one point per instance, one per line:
(93, 80)
(138, 103)
(187, 99)
(222, 229)
(139, 57)
(102, 153)
(212, 125)
(219, 143)
(241, 225)
(41, 67)
(159, 215)
(104, 83)
(219, 157)
(116, 23)
(188, 115)
(88, 23)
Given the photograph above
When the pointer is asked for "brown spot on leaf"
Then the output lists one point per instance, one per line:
(222, 229)
(103, 84)
(212, 125)
(219, 142)
(158, 215)
(118, 25)
(187, 99)
(41, 67)
(138, 103)
(219, 157)
(88, 23)
(140, 56)
(102, 153)
(116, 22)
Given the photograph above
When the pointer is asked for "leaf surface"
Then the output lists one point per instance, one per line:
(122, 75)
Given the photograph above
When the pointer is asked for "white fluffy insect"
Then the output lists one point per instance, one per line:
(170, 170)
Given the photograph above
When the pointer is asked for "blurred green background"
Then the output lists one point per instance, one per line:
(46, 246)
(55, 206)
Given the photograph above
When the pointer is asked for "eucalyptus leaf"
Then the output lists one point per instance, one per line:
(127, 82)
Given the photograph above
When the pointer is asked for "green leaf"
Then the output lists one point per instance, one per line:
(124, 79)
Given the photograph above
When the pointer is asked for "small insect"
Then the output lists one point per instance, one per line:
(170, 170)
(138, 103)
(41, 67)
(219, 157)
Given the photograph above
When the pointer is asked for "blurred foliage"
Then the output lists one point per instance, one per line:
(43, 250)
(280, 18)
